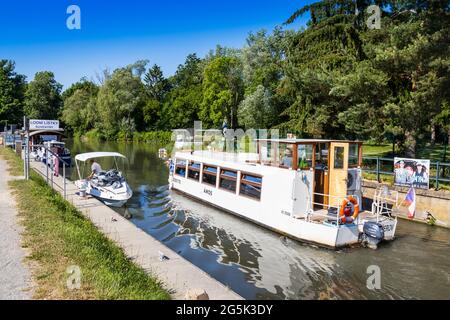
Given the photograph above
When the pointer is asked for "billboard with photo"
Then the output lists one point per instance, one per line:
(412, 172)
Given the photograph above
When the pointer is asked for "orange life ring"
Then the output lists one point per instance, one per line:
(355, 214)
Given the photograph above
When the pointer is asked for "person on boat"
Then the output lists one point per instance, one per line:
(287, 159)
(95, 168)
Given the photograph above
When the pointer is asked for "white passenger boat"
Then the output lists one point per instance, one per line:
(110, 186)
(309, 190)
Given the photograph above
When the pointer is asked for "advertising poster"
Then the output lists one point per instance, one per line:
(412, 172)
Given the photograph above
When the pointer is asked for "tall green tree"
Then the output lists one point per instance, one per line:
(80, 112)
(12, 93)
(43, 97)
(156, 88)
(182, 103)
(120, 101)
(222, 92)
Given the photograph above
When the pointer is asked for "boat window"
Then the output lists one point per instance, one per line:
(180, 168)
(322, 156)
(339, 157)
(209, 175)
(194, 171)
(285, 155)
(228, 180)
(305, 156)
(251, 186)
(229, 173)
(353, 155)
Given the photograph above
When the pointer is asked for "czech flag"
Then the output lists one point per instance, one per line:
(410, 201)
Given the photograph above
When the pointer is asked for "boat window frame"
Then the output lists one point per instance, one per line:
(313, 155)
(359, 155)
(180, 166)
(255, 184)
(222, 176)
(210, 174)
(190, 168)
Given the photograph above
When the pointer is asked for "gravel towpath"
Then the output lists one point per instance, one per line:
(15, 277)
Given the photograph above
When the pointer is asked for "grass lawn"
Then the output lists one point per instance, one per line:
(58, 236)
(434, 153)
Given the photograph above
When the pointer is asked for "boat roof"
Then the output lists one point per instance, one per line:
(90, 155)
(307, 140)
(55, 142)
(57, 131)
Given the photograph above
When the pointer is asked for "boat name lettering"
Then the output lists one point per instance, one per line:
(176, 180)
(207, 191)
(286, 213)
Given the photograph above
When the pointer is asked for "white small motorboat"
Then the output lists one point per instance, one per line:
(110, 186)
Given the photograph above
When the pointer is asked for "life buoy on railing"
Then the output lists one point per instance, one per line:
(347, 213)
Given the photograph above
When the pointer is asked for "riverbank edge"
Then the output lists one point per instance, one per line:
(62, 242)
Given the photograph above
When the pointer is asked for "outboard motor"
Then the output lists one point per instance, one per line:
(373, 233)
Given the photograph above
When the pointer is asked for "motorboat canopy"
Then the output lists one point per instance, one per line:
(83, 157)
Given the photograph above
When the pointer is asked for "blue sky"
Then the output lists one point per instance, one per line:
(116, 33)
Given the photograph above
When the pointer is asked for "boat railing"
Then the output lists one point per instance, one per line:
(384, 201)
(334, 204)
(50, 170)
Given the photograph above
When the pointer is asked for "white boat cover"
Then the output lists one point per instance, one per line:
(90, 155)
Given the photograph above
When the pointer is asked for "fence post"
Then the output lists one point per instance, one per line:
(437, 175)
(52, 172)
(378, 169)
(46, 162)
(64, 177)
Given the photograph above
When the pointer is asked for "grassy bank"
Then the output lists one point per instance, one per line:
(58, 236)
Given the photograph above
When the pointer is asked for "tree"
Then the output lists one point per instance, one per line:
(256, 111)
(43, 97)
(222, 92)
(156, 85)
(80, 111)
(12, 92)
(180, 108)
(120, 101)
(156, 88)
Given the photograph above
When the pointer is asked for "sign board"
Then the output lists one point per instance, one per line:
(44, 124)
(412, 172)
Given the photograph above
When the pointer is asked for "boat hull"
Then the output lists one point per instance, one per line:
(118, 198)
(322, 234)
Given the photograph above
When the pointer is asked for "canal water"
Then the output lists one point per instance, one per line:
(260, 264)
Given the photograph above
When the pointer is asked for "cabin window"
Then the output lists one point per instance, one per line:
(286, 155)
(180, 168)
(209, 175)
(228, 180)
(339, 157)
(322, 156)
(305, 156)
(194, 171)
(353, 155)
(251, 186)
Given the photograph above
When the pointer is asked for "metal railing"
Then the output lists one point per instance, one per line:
(334, 202)
(50, 165)
(439, 171)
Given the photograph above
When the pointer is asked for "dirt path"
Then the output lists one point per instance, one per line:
(15, 278)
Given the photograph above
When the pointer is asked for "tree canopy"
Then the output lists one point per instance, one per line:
(337, 77)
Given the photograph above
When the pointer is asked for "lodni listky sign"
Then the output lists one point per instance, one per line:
(44, 124)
